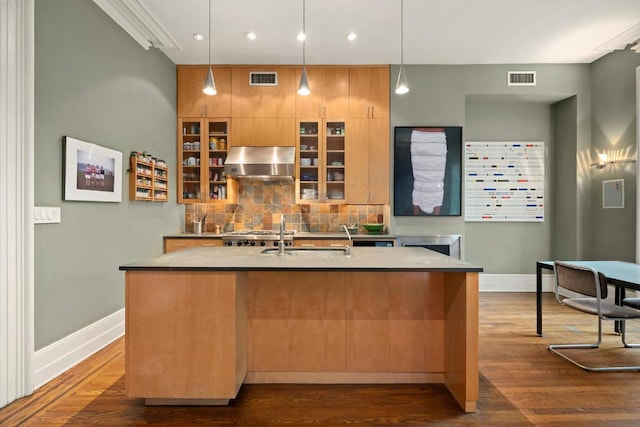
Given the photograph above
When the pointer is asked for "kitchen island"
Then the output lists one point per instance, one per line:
(202, 321)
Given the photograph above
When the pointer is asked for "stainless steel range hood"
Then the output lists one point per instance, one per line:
(261, 163)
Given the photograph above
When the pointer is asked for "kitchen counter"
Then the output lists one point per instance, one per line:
(298, 235)
(201, 321)
(251, 258)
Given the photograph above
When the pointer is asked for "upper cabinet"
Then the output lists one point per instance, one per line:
(263, 131)
(192, 102)
(202, 151)
(329, 93)
(263, 91)
(369, 92)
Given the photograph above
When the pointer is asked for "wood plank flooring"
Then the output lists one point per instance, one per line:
(521, 383)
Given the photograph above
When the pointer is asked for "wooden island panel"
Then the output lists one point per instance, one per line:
(296, 322)
(395, 322)
(185, 336)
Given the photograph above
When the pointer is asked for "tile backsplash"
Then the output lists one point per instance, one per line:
(260, 205)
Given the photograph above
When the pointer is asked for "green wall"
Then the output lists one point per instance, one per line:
(477, 98)
(613, 87)
(95, 83)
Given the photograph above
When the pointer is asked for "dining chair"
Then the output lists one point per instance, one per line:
(632, 302)
(591, 289)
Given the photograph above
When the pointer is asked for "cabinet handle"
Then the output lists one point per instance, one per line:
(367, 111)
(307, 245)
(372, 111)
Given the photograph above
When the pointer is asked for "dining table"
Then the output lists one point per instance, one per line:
(621, 274)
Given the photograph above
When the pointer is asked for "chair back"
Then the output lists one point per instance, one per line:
(582, 280)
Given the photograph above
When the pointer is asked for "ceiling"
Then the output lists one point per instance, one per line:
(435, 31)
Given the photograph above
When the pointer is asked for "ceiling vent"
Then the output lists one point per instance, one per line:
(263, 78)
(521, 78)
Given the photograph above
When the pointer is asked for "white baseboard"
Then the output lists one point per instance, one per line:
(514, 282)
(54, 359)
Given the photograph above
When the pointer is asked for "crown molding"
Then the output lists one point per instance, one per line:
(621, 41)
(139, 23)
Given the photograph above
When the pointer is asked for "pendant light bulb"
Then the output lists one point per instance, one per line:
(303, 89)
(209, 83)
(402, 86)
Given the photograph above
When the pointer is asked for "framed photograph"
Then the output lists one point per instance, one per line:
(91, 173)
(427, 171)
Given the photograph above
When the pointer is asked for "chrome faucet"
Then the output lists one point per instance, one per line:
(281, 242)
(348, 248)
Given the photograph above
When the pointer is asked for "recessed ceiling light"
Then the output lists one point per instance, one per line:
(198, 36)
(301, 36)
(251, 36)
(352, 36)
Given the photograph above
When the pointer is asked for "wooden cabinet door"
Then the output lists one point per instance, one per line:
(379, 148)
(358, 161)
(335, 86)
(172, 245)
(368, 161)
(192, 102)
(311, 105)
(379, 92)
(263, 101)
(218, 105)
(263, 131)
(190, 84)
(209, 243)
(329, 95)
(369, 92)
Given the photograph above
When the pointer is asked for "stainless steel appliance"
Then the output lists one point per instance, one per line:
(448, 244)
(262, 163)
(256, 238)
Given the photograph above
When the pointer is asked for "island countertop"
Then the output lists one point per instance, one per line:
(251, 259)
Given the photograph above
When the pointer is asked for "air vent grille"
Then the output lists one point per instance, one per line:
(521, 78)
(263, 78)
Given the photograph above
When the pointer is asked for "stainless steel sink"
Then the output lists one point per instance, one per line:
(313, 251)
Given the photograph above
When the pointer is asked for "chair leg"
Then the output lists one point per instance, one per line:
(555, 347)
(623, 329)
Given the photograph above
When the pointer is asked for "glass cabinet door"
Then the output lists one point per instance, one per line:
(217, 142)
(335, 160)
(321, 160)
(309, 170)
(189, 161)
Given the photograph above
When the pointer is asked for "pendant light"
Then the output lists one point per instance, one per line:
(209, 83)
(303, 88)
(401, 86)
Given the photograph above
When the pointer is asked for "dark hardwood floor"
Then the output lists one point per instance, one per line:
(521, 383)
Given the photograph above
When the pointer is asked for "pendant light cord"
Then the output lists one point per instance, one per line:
(402, 33)
(210, 33)
(304, 31)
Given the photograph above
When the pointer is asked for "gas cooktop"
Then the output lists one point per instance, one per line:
(256, 237)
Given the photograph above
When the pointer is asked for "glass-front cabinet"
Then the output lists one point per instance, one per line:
(202, 152)
(321, 161)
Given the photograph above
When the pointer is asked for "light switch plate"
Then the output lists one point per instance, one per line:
(46, 215)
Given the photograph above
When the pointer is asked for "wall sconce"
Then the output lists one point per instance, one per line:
(603, 160)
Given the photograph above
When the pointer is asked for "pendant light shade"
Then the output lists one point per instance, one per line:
(402, 86)
(303, 87)
(209, 83)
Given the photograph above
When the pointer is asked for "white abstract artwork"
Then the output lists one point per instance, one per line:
(504, 181)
